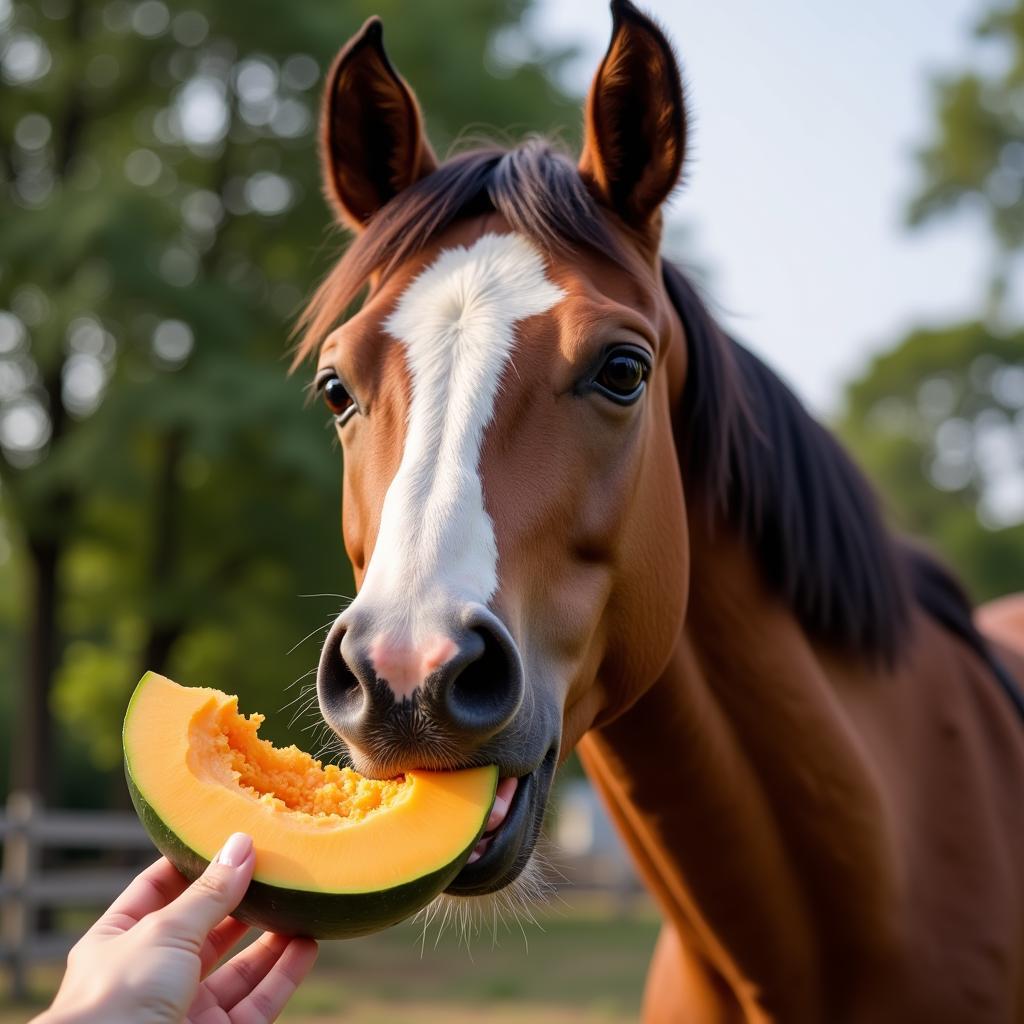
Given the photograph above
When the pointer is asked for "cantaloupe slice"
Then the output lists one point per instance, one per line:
(337, 854)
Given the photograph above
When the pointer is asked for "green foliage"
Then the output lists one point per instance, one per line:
(977, 154)
(938, 422)
(162, 222)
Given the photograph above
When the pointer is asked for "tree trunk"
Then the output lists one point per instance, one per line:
(32, 754)
(31, 769)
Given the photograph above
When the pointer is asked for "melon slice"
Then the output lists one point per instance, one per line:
(337, 854)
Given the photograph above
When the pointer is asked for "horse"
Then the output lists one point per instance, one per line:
(582, 517)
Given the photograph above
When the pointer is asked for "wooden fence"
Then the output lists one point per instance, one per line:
(28, 885)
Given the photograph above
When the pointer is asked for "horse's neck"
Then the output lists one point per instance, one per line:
(745, 796)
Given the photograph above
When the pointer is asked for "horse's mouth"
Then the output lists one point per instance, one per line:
(503, 798)
(511, 833)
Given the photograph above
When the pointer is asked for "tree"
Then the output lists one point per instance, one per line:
(167, 492)
(938, 420)
(976, 158)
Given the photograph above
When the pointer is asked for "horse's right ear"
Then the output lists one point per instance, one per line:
(635, 128)
(372, 143)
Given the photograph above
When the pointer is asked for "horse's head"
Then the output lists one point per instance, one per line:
(504, 399)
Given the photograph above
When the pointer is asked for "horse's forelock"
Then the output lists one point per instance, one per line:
(534, 186)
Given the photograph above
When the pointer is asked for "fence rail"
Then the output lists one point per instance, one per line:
(28, 884)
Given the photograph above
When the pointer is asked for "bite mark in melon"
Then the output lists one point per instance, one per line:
(337, 854)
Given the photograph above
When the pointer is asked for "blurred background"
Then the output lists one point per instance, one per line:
(168, 498)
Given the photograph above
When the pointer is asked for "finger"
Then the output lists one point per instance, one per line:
(242, 973)
(219, 941)
(158, 885)
(268, 998)
(213, 895)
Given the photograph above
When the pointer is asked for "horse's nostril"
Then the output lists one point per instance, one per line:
(337, 683)
(486, 690)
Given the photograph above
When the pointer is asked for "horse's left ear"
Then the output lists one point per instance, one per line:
(372, 142)
(635, 129)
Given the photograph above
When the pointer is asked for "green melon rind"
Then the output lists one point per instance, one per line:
(319, 915)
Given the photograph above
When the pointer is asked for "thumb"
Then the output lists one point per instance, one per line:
(215, 893)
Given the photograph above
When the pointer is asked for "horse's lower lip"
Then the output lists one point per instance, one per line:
(510, 845)
(499, 856)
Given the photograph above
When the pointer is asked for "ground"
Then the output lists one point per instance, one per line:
(586, 962)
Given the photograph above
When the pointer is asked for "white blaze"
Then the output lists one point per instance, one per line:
(457, 321)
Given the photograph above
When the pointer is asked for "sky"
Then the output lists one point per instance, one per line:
(805, 119)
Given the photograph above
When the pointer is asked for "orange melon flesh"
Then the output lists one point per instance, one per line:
(204, 772)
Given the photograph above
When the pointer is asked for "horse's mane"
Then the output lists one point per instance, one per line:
(782, 480)
(748, 448)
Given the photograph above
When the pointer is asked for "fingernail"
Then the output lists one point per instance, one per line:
(235, 851)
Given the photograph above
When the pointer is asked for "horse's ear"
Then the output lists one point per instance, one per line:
(372, 143)
(635, 128)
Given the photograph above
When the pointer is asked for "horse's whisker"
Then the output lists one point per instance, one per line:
(311, 633)
(302, 694)
(473, 915)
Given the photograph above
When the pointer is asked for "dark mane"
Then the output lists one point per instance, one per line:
(784, 482)
(748, 447)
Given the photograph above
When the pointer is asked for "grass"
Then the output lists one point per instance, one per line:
(586, 962)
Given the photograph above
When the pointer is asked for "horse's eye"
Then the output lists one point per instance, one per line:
(337, 398)
(623, 374)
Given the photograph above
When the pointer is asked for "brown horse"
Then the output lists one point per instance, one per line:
(581, 517)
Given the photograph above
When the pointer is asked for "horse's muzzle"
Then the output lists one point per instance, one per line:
(400, 706)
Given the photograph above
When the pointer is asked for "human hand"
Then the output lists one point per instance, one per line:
(145, 960)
